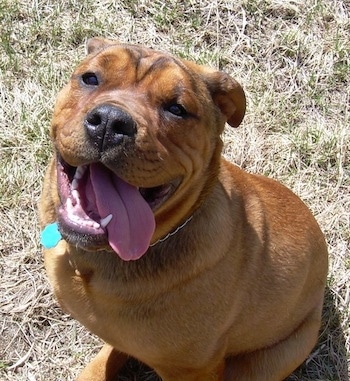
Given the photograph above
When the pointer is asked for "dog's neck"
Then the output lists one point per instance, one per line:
(172, 232)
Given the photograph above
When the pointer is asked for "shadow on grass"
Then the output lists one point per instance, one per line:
(135, 371)
(328, 361)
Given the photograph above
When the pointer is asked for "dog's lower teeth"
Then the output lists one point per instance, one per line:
(75, 184)
(75, 193)
(93, 224)
(76, 196)
(105, 221)
(79, 172)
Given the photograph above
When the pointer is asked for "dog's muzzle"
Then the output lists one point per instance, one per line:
(108, 125)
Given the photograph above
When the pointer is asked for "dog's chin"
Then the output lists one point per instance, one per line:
(87, 208)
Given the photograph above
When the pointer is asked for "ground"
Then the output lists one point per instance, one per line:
(292, 58)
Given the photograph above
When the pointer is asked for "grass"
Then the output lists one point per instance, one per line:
(292, 58)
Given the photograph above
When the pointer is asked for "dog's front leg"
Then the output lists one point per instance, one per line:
(209, 374)
(105, 366)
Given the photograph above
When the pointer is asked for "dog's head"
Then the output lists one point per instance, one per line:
(137, 136)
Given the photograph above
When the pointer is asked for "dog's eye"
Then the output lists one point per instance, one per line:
(90, 79)
(177, 109)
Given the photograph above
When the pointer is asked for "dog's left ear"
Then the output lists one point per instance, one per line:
(228, 95)
(226, 92)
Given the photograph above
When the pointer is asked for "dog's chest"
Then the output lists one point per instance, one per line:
(132, 318)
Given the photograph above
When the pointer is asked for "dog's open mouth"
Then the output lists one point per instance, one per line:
(98, 209)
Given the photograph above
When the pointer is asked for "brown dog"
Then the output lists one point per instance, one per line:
(169, 253)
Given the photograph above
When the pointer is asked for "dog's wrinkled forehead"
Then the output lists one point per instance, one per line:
(125, 65)
(114, 67)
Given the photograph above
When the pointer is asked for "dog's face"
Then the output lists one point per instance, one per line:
(137, 136)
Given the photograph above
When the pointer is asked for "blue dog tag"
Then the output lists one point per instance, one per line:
(50, 236)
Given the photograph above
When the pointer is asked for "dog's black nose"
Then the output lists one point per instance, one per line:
(107, 125)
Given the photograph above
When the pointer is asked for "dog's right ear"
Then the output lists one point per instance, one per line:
(96, 44)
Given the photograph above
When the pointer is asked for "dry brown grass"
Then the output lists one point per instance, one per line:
(292, 58)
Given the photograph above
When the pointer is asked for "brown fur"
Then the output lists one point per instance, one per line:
(237, 293)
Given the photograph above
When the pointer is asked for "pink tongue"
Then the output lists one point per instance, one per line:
(132, 226)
